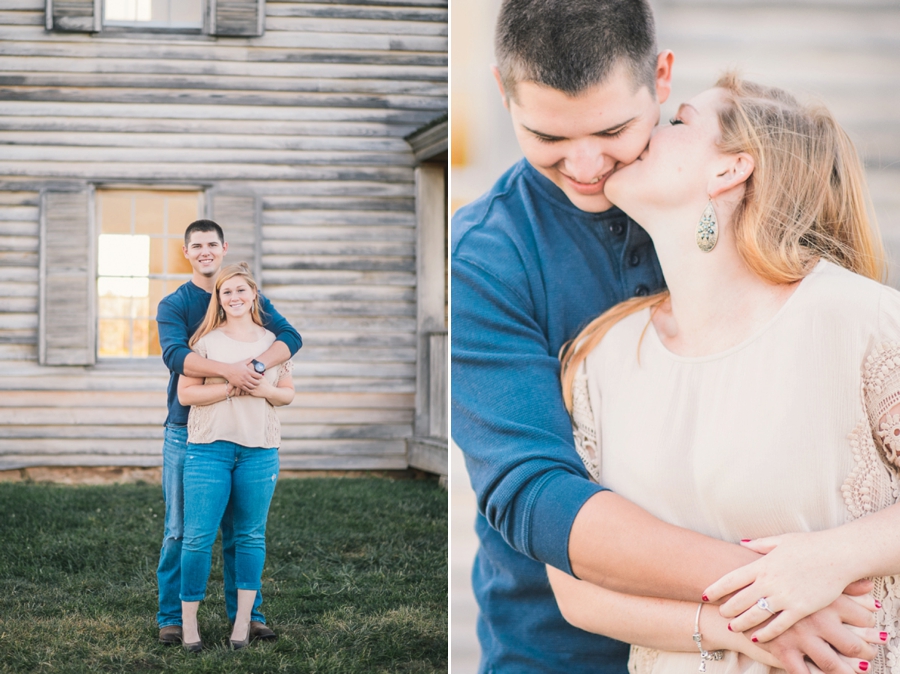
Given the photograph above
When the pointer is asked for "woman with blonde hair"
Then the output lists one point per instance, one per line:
(756, 399)
(233, 440)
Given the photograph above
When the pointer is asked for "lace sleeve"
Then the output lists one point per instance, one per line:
(584, 429)
(285, 369)
(881, 388)
(200, 347)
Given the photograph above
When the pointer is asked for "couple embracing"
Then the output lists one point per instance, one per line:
(228, 352)
(676, 373)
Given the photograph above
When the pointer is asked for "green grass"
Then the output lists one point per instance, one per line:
(355, 581)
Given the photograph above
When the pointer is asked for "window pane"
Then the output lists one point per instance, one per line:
(157, 292)
(178, 264)
(153, 347)
(185, 11)
(158, 12)
(115, 213)
(119, 255)
(128, 10)
(114, 338)
(111, 305)
(140, 343)
(183, 210)
(157, 256)
(123, 287)
(149, 214)
(140, 307)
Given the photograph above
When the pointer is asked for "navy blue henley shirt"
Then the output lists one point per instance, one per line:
(529, 270)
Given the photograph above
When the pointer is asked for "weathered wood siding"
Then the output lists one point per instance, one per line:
(309, 119)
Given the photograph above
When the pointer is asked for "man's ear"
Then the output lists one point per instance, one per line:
(224, 247)
(735, 171)
(664, 75)
(496, 72)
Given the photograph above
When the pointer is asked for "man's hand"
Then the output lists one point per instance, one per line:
(836, 639)
(242, 375)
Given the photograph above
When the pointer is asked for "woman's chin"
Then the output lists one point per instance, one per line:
(617, 188)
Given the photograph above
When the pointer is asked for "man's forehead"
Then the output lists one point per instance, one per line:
(203, 237)
(548, 111)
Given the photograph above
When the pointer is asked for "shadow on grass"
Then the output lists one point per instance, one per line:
(355, 581)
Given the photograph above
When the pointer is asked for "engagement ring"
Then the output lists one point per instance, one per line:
(764, 605)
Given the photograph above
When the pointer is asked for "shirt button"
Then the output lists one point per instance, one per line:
(617, 228)
(641, 291)
(634, 260)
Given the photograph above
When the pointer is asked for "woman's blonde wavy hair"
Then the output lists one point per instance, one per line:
(215, 314)
(805, 200)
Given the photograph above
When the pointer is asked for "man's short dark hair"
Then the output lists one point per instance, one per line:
(571, 45)
(203, 226)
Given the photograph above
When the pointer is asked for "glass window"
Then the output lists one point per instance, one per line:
(154, 13)
(139, 261)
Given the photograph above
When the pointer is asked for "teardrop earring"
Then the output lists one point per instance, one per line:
(221, 314)
(708, 229)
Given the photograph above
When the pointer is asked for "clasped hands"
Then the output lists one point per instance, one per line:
(244, 380)
(821, 611)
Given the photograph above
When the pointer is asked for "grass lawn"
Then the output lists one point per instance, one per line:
(355, 581)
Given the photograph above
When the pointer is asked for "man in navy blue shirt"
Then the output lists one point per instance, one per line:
(533, 260)
(178, 317)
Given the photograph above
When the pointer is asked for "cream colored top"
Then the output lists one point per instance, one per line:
(771, 436)
(245, 420)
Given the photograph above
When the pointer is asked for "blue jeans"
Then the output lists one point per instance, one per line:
(168, 574)
(215, 475)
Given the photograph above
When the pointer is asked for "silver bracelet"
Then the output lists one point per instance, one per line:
(704, 655)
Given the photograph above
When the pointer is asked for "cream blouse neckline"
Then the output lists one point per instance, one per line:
(658, 343)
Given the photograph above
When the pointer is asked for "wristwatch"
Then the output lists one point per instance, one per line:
(259, 367)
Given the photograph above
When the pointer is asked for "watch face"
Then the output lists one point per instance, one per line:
(259, 367)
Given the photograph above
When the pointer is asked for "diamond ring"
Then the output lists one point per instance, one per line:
(764, 605)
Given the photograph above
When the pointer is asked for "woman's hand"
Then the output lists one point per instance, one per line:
(264, 389)
(277, 395)
(800, 574)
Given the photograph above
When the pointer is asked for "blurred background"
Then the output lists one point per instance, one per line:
(845, 53)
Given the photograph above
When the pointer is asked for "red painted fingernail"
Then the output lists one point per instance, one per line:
(729, 628)
(877, 604)
(883, 636)
(705, 598)
(754, 639)
(745, 540)
(863, 665)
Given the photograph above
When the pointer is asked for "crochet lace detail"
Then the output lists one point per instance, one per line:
(285, 369)
(273, 427)
(642, 659)
(881, 376)
(873, 483)
(586, 442)
(200, 424)
(889, 433)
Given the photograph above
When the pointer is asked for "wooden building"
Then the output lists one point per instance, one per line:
(313, 132)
